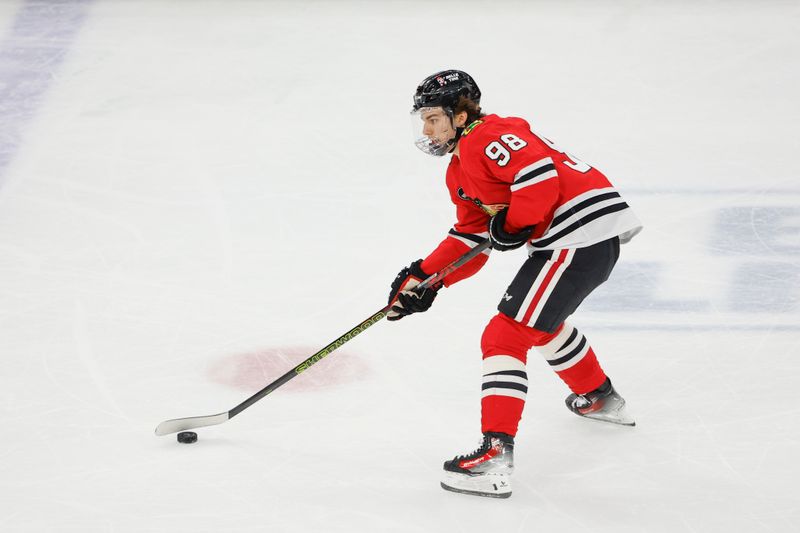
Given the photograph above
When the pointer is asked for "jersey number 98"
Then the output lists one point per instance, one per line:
(500, 152)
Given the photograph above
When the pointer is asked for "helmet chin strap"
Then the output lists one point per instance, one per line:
(454, 141)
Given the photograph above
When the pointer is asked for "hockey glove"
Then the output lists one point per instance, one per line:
(501, 239)
(404, 298)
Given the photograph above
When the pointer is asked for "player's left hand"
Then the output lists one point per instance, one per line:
(405, 297)
(503, 240)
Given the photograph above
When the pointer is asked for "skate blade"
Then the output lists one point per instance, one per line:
(619, 417)
(486, 485)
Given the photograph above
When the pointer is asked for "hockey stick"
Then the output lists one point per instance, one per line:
(181, 424)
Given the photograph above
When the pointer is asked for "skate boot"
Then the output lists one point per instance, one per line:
(484, 472)
(603, 403)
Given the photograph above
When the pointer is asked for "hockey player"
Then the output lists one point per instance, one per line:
(516, 188)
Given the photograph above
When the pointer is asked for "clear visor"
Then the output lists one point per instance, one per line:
(433, 130)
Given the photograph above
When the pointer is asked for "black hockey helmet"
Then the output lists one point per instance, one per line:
(444, 89)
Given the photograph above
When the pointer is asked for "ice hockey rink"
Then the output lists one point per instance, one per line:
(196, 196)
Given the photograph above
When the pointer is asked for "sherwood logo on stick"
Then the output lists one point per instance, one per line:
(338, 342)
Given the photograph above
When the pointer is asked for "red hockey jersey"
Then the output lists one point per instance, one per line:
(502, 163)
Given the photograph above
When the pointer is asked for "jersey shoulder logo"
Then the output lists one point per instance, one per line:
(471, 126)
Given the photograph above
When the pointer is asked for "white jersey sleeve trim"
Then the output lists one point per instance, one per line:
(540, 171)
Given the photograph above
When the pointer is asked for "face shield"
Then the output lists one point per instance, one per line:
(433, 130)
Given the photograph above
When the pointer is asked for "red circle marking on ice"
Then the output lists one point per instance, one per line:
(252, 371)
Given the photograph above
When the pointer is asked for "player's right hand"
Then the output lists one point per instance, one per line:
(404, 296)
(501, 239)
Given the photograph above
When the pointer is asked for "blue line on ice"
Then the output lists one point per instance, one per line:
(38, 41)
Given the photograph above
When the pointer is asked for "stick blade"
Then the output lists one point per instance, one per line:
(181, 424)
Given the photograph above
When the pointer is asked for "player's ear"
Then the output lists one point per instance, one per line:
(460, 119)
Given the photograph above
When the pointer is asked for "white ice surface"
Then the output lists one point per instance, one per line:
(204, 193)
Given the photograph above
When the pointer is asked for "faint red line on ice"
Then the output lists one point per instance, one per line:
(250, 371)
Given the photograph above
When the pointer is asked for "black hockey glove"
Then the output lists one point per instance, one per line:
(501, 239)
(404, 298)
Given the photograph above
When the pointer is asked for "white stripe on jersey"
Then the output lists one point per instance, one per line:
(471, 243)
(622, 222)
(583, 212)
(517, 185)
(580, 198)
(533, 181)
(595, 231)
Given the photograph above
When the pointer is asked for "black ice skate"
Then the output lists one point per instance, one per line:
(603, 403)
(484, 472)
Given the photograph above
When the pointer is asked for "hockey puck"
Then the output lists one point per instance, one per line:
(187, 437)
